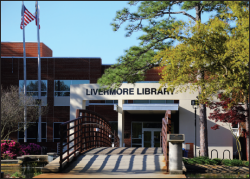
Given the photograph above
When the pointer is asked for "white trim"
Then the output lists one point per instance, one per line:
(150, 107)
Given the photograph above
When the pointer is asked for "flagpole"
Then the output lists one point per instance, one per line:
(24, 78)
(39, 74)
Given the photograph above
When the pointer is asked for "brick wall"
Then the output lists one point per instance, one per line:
(63, 69)
(9, 49)
(153, 74)
(52, 69)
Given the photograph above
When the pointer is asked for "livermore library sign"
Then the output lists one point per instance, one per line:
(128, 91)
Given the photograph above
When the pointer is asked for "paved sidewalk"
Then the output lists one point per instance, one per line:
(121, 162)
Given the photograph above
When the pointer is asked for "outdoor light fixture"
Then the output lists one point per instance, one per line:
(110, 135)
(195, 104)
(97, 129)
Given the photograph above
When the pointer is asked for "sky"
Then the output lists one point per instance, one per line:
(74, 28)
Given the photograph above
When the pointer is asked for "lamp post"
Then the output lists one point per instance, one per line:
(195, 104)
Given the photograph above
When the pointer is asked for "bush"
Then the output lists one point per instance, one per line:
(203, 160)
(217, 161)
(246, 163)
(226, 162)
(10, 149)
(236, 162)
(31, 149)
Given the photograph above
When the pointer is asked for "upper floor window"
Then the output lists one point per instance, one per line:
(62, 87)
(153, 101)
(32, 87)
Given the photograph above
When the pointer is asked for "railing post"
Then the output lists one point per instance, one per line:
(81, 135)
(114, 139)
(88, 120)
(68, 126)
(61, 144)
(75, 141)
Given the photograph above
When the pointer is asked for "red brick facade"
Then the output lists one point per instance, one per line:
(60, 69)
(15, 49)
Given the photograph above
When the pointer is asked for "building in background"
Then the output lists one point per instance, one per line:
(61, 76)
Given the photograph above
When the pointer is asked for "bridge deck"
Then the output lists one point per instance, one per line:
(116, 162)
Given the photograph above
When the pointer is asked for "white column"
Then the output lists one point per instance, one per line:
(120, 122)
(84, 104)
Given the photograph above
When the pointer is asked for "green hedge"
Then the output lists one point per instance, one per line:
(215, 161)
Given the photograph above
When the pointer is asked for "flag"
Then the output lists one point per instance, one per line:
(37, 13)
(28, 17)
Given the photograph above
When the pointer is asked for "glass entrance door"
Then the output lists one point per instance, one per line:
(151, 137)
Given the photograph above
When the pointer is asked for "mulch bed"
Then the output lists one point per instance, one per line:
(199, 168)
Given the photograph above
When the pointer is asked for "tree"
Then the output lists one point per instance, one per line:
(215, 50)
(12, 111)
(233, 115)
(132, 66)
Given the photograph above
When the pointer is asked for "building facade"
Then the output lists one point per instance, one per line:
(134, 111)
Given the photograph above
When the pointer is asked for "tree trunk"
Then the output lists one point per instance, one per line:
(202, 107)
(247, 128)
(203, 129)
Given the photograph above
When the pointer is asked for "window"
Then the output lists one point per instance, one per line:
(32, 87)
(111, 101)
(32, 132)
(114, 101)
(56, 131)
(153, 101)
(136, 134)
(62, 87)
(114, 127)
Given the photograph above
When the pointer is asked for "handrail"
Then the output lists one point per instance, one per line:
(81, 132)
(166, 122)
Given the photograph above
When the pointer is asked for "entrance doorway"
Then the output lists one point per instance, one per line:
(151, 137)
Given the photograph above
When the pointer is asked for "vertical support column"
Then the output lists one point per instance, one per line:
(84, 104)
(120, 122)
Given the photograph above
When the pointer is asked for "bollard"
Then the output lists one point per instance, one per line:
(51, 156)
(175, 152)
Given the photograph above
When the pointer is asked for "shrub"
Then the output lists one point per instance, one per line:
(17, 175)
(246, 163)
(31, 149)
(226, 162)
(185, 160)
(10, 149)
(236, 162)
(217, 161)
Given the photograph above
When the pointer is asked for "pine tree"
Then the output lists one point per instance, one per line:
(138, 59)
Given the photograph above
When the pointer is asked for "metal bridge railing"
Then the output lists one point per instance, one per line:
(89, 130)
(166, 126)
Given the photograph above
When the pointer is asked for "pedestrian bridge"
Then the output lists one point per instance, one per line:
(91, 153)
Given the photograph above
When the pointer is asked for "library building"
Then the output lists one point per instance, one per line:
(135, 111)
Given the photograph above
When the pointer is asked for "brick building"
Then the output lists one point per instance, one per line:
(62, 75)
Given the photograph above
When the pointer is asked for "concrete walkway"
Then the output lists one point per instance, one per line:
(122, 162)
